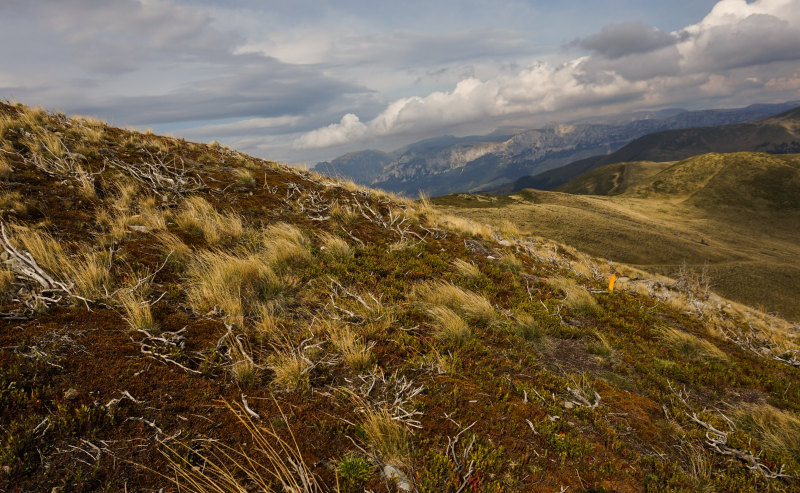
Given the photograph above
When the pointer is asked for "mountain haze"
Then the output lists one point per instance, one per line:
(778, 135)
(448, 164)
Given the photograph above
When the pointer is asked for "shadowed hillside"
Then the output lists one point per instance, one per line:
(182, 316)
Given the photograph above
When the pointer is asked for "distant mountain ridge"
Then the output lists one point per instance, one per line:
(449, 164)
(779, 134)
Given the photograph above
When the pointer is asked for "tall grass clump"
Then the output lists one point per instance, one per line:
(692, 347)
(463, 302)
(273, 463)
(335, 247)
(285, 246)
(136, 311)
(466, 269)
(449, 325)
(235, 286)
(355, 352)
(291, 369)
(576, 298)
(199, 216)
(778, 431)
(91, 275)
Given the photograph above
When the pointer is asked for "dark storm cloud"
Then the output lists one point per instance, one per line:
(619, 40)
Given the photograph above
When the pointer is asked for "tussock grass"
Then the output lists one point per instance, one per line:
(511, 263)
(243, 369)
(267, 326)
(466, 269)
(462, 301)
(389, 440)
(91, 275)
(245, 177)
(137, 311)
(777, 430)
(692, 347)
(12, 201)
(5, 166)
(46, 250)
(6, 280)
(356, 353)
(199, 216)
(464, 225)
(576, 298)
(600, 346)
(291, 368)
(179, 252)
(449, 325)
(285, 246)
(527, 327)
(335, 247)
(236, 286)
(273, 461)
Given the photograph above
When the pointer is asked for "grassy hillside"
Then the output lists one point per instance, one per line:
(776, 135)
(182, 316)
(739, 213)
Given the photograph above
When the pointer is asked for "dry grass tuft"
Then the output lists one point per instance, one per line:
(5, 166)
(6, 281)
(137, 311)
(91, 275)
(464, 225)
(356, 353)
(459, 300)
(272, 461)
(245, 177)
(777, 430)
(527, 327)
(576, 298)
(47, 251)
(291, 368)
(466, 269)
(449, 325)
(199, 216)
(389, 440)
(179, 252)
(335, 247)
(12, 201)
(285, 246)
(511, 263)
(235, 286)
(692, 347)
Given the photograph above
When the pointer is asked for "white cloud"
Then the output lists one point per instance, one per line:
(713, 58)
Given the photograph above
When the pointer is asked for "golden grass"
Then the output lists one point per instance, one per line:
(243, 369)
(335, 247)
(236, 286)
(389, 440)
(355, 352)
(137, 311)
(244, 177)
(267, 327)
(462, 301)
(510, 262)
(449, 325)
(179, 252)
(272, 461)
(576, 298)
(777, 430)
(12, 201)
(5, 166)
(527, 327)
(291, 368)
(198, 216)
(464, 225)
(6, 280)
(91, 275)
(466, 269)
(691, 346)
(285, 246)
(47, 251)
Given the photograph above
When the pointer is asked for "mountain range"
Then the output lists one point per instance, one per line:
(779, 134)
(443, 165)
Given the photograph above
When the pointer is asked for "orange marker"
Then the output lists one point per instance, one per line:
(611, 283)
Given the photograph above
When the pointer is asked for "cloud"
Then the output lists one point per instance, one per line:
(630, 65)
(618, 40)
(348, 129)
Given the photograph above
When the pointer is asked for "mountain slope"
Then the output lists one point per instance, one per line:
(447, 164)
(182, 316)
(779, 134)
(738, 212)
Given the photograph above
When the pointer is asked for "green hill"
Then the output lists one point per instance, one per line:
(182, 317)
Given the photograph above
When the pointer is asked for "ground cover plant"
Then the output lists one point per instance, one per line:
(181, 316)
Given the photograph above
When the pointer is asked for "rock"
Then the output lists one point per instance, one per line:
(505, 243)
(139, 229)
(393, 473)
(71, 394)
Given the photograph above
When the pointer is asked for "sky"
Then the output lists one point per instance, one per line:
(304, 81)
